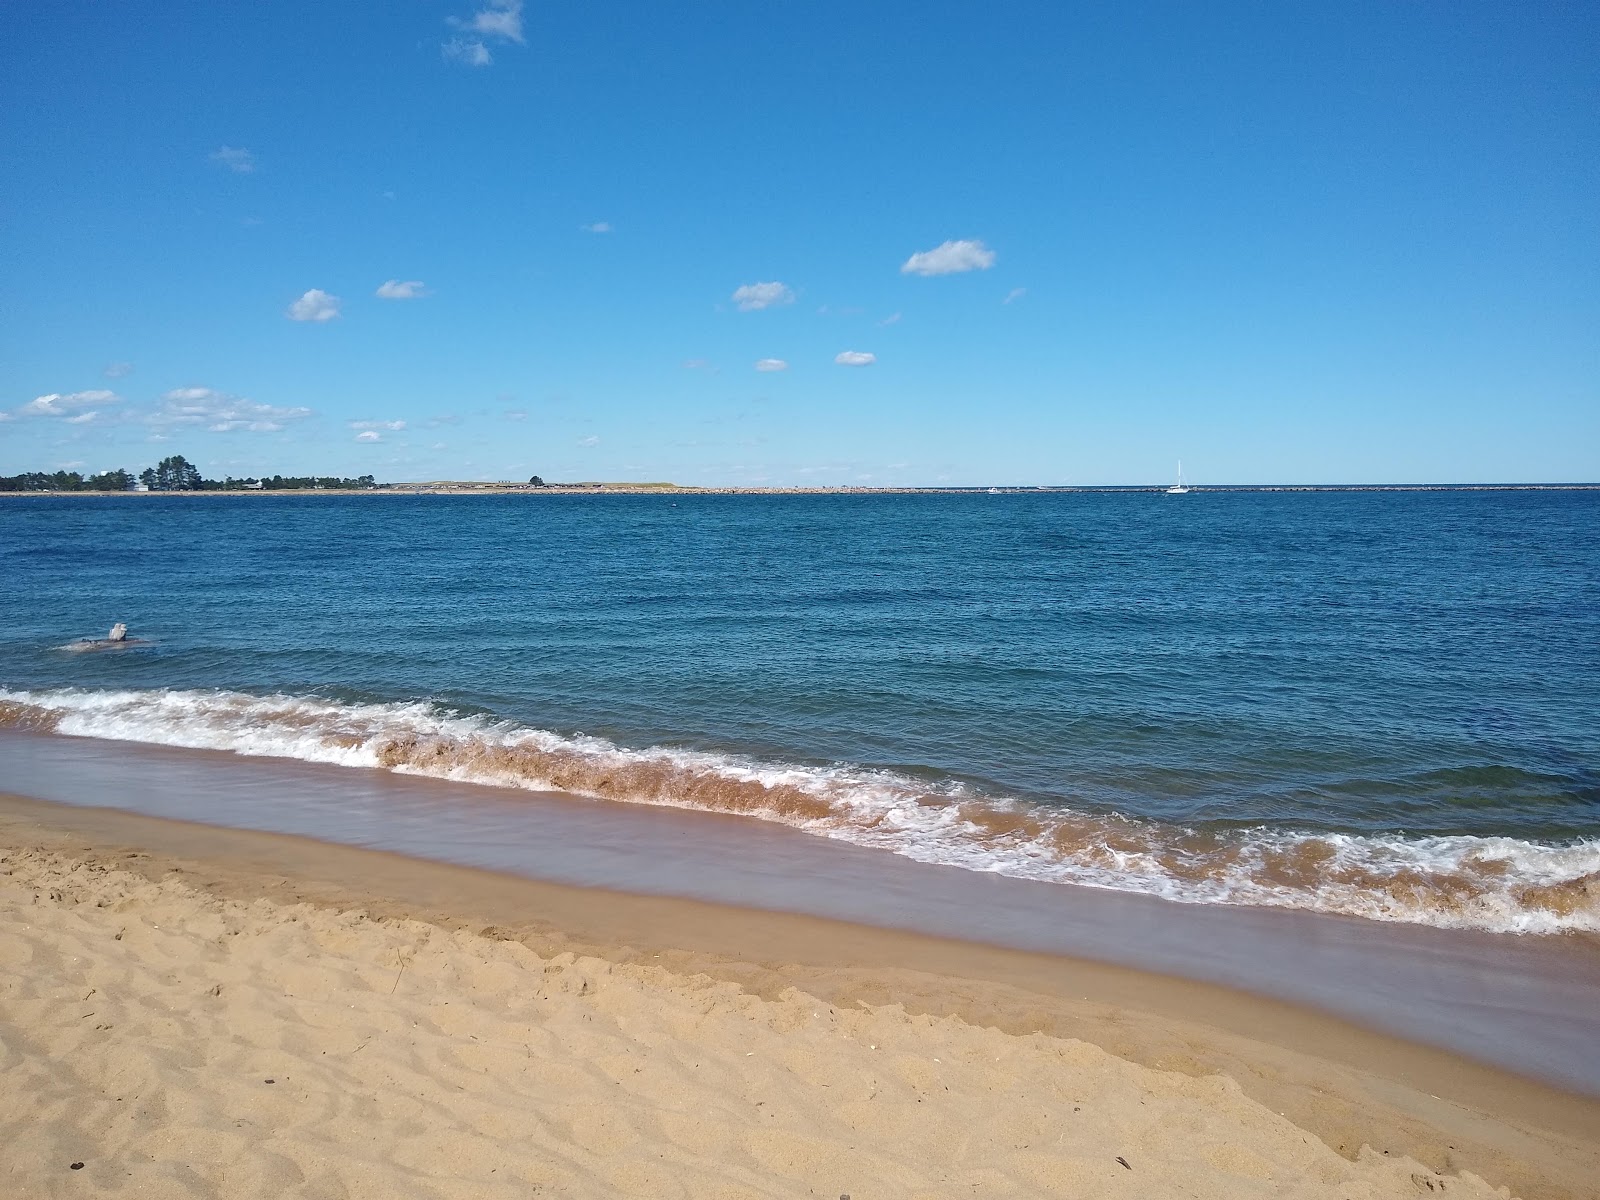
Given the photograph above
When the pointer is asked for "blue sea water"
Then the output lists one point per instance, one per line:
(1378, 703)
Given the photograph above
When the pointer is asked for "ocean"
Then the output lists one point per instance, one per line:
(1378, 704)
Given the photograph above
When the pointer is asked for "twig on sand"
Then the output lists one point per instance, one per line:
(405, 961)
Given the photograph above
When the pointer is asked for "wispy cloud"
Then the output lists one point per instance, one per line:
(752, 297)
(499, 20)
(949, 258)
(236, 158)
(466, 50)
(117, 370)
(591, 440)
(219, 412)
(67, 404)
(699, 364)
(891, 319)
(369, 435)
(1014, 294)
(402, 289)
(391, 426)
(315, 305)
(855, 358)
(597, 227)
(771, 364)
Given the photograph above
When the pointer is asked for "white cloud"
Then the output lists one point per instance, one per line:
(391, 426)
(467, 50)
(402, 289)
(698, 364)
(597, 227)
(83, 418)
(949, 259)
(771, 364)
(219, 412)
(1014, 294)
(57, 404)
(855, 358)
(591, 440)
(891, 319)
(369, 436)
(752, 297)
(117, 370)
(315, 305)
(498, 20)
(236, 158)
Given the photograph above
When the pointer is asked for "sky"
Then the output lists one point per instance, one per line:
(743, 243)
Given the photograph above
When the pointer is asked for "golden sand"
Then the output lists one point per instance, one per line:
(183, 1031)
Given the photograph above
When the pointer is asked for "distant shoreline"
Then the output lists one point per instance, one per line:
(460, 488)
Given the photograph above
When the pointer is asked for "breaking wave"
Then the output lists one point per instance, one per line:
(1499, 884)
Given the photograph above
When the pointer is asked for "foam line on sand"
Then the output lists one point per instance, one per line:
(226, 1027)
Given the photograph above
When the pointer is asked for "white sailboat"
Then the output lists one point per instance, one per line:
(1179, 488)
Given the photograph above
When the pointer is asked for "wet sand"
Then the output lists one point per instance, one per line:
(1518, 1002)
(430, 1027)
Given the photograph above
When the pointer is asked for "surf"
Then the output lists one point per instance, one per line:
(1497, 884)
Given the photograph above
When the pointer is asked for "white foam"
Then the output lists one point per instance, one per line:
(1461, 882)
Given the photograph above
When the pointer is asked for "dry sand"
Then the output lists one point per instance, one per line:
(198, 1012)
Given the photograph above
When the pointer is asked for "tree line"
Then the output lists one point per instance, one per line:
(173, 474)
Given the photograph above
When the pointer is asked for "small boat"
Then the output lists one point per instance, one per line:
(1179, 488)
(994, 491)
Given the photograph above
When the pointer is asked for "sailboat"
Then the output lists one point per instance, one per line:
(1179, 488)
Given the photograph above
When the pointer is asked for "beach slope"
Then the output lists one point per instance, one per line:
(178, 1043)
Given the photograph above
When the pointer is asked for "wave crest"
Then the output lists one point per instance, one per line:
(1490, 883)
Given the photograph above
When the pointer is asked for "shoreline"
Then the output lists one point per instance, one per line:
(1345, 1085)
(1521, 1004)
(469, 488)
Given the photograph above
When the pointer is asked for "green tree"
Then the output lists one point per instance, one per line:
(111, 481)
(176, 474)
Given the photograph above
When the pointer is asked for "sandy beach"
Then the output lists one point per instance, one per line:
(189, 1011)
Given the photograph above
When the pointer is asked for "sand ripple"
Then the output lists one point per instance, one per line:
(179, 1045)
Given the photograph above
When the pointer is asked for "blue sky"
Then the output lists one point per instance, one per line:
(1349, 243)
